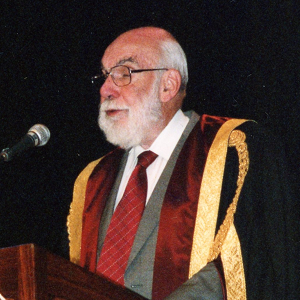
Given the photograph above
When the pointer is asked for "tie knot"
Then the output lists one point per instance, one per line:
(146, 158)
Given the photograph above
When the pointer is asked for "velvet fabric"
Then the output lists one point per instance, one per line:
(178, 214)
(98, 189)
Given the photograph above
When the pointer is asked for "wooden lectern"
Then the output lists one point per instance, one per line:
(28, 272)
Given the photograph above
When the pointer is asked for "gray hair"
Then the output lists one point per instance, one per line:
(173, 56)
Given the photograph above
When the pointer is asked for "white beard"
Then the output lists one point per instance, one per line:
(141, 119)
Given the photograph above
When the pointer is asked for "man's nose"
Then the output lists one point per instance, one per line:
(109, 90)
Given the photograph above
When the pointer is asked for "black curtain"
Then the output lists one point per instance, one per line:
(243, 62)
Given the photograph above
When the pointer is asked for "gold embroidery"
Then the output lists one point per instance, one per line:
(237, 139)
(74, 221)
(208, 211)
(227, 241)
(231, 257)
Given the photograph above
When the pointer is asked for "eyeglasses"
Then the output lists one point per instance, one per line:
(121, 75)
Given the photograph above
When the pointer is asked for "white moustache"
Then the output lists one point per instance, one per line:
(110, 105)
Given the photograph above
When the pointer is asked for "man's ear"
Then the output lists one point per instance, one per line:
(170, 85)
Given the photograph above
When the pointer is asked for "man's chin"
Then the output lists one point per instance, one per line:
(114, 121)
(123, 141)
(120, 135)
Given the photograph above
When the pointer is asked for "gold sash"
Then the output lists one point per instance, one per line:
(74, 222)
(205, 246)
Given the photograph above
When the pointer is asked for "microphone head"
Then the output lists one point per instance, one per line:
(41, 134)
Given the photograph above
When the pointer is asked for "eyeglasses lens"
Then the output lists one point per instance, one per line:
(120, 76)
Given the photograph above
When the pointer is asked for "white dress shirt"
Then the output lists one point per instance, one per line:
(163, 146)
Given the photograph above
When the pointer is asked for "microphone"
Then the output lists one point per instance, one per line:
(38, 135)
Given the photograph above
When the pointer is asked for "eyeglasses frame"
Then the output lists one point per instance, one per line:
(131, 71)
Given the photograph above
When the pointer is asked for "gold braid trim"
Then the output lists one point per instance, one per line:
(209, 197)
(227, 242)
(74, 221)
(232, 260)
(237, 139)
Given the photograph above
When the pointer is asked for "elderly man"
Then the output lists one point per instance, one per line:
(172, 212)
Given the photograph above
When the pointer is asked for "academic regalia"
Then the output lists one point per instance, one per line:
(257, 252)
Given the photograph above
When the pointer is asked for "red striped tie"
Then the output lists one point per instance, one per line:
(124, 223)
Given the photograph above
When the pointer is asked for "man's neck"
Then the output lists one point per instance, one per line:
(156, 131)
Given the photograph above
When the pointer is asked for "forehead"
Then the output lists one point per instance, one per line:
(138, 52)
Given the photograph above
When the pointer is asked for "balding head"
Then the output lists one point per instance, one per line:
(153, 35)
(157, 47)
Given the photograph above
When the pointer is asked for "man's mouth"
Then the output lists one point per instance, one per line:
(115, 112)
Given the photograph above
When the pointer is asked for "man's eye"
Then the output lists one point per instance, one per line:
(120, 75)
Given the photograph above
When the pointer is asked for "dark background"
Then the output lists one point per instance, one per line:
(243, 62)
